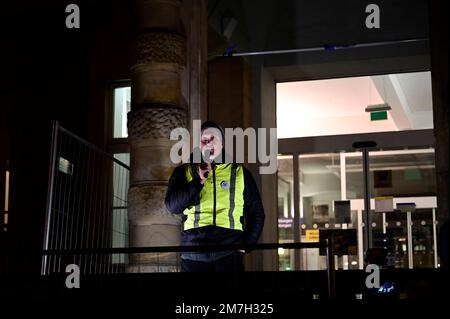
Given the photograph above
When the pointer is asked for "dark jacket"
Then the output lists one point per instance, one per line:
(181, 194)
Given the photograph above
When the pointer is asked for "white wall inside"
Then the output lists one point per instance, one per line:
(337, 106)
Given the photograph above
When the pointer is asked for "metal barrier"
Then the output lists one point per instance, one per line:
(87, 222)
(4, 198)
(72, 254)
(86, 203)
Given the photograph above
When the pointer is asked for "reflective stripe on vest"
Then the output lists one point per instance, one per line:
(229, 199)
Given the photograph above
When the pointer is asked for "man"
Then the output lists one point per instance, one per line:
(220, 203)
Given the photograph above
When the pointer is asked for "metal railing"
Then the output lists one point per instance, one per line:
(71, 255)
(4, 198)
(86, 203)
(87, 222)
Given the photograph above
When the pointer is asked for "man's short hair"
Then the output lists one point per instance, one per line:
(212, 124)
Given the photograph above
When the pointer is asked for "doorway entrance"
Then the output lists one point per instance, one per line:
(329, 177)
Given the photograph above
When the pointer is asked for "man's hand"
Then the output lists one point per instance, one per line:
(203, 171)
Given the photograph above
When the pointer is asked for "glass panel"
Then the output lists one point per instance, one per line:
(120, 180)
(120, 207)
(422, 238)
(378, 235)
(285, 211)
(403, 173)
(120, 234)
(407, 176)
(322, 212)
(396, 239)
(354, 175)
(122, 102)
(320, 185)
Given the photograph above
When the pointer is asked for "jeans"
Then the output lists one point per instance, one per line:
(206, 256)
(233, 262)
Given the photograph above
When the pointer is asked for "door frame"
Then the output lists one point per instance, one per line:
(412, 139)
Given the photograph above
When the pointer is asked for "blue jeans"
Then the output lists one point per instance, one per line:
(230, 263)
(206, 256)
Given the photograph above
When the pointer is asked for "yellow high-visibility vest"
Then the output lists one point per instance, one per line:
(221, 200)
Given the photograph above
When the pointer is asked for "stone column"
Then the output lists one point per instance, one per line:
(157, 107)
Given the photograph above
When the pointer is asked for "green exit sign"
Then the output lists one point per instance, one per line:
(377, 116)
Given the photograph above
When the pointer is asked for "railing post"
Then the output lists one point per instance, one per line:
(51, 175)
(330, 268)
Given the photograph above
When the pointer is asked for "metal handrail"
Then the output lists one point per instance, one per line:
(327, 243)
(185, 248)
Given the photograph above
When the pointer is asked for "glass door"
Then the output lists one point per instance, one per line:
(330, 198)
(325, 210)
(407, 234)
(423, 238)
(395, 239)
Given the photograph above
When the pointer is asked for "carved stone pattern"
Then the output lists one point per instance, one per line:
(155, 122)
(161, 47)
(147, 202)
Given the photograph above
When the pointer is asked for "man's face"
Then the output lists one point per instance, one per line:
(211, 140)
